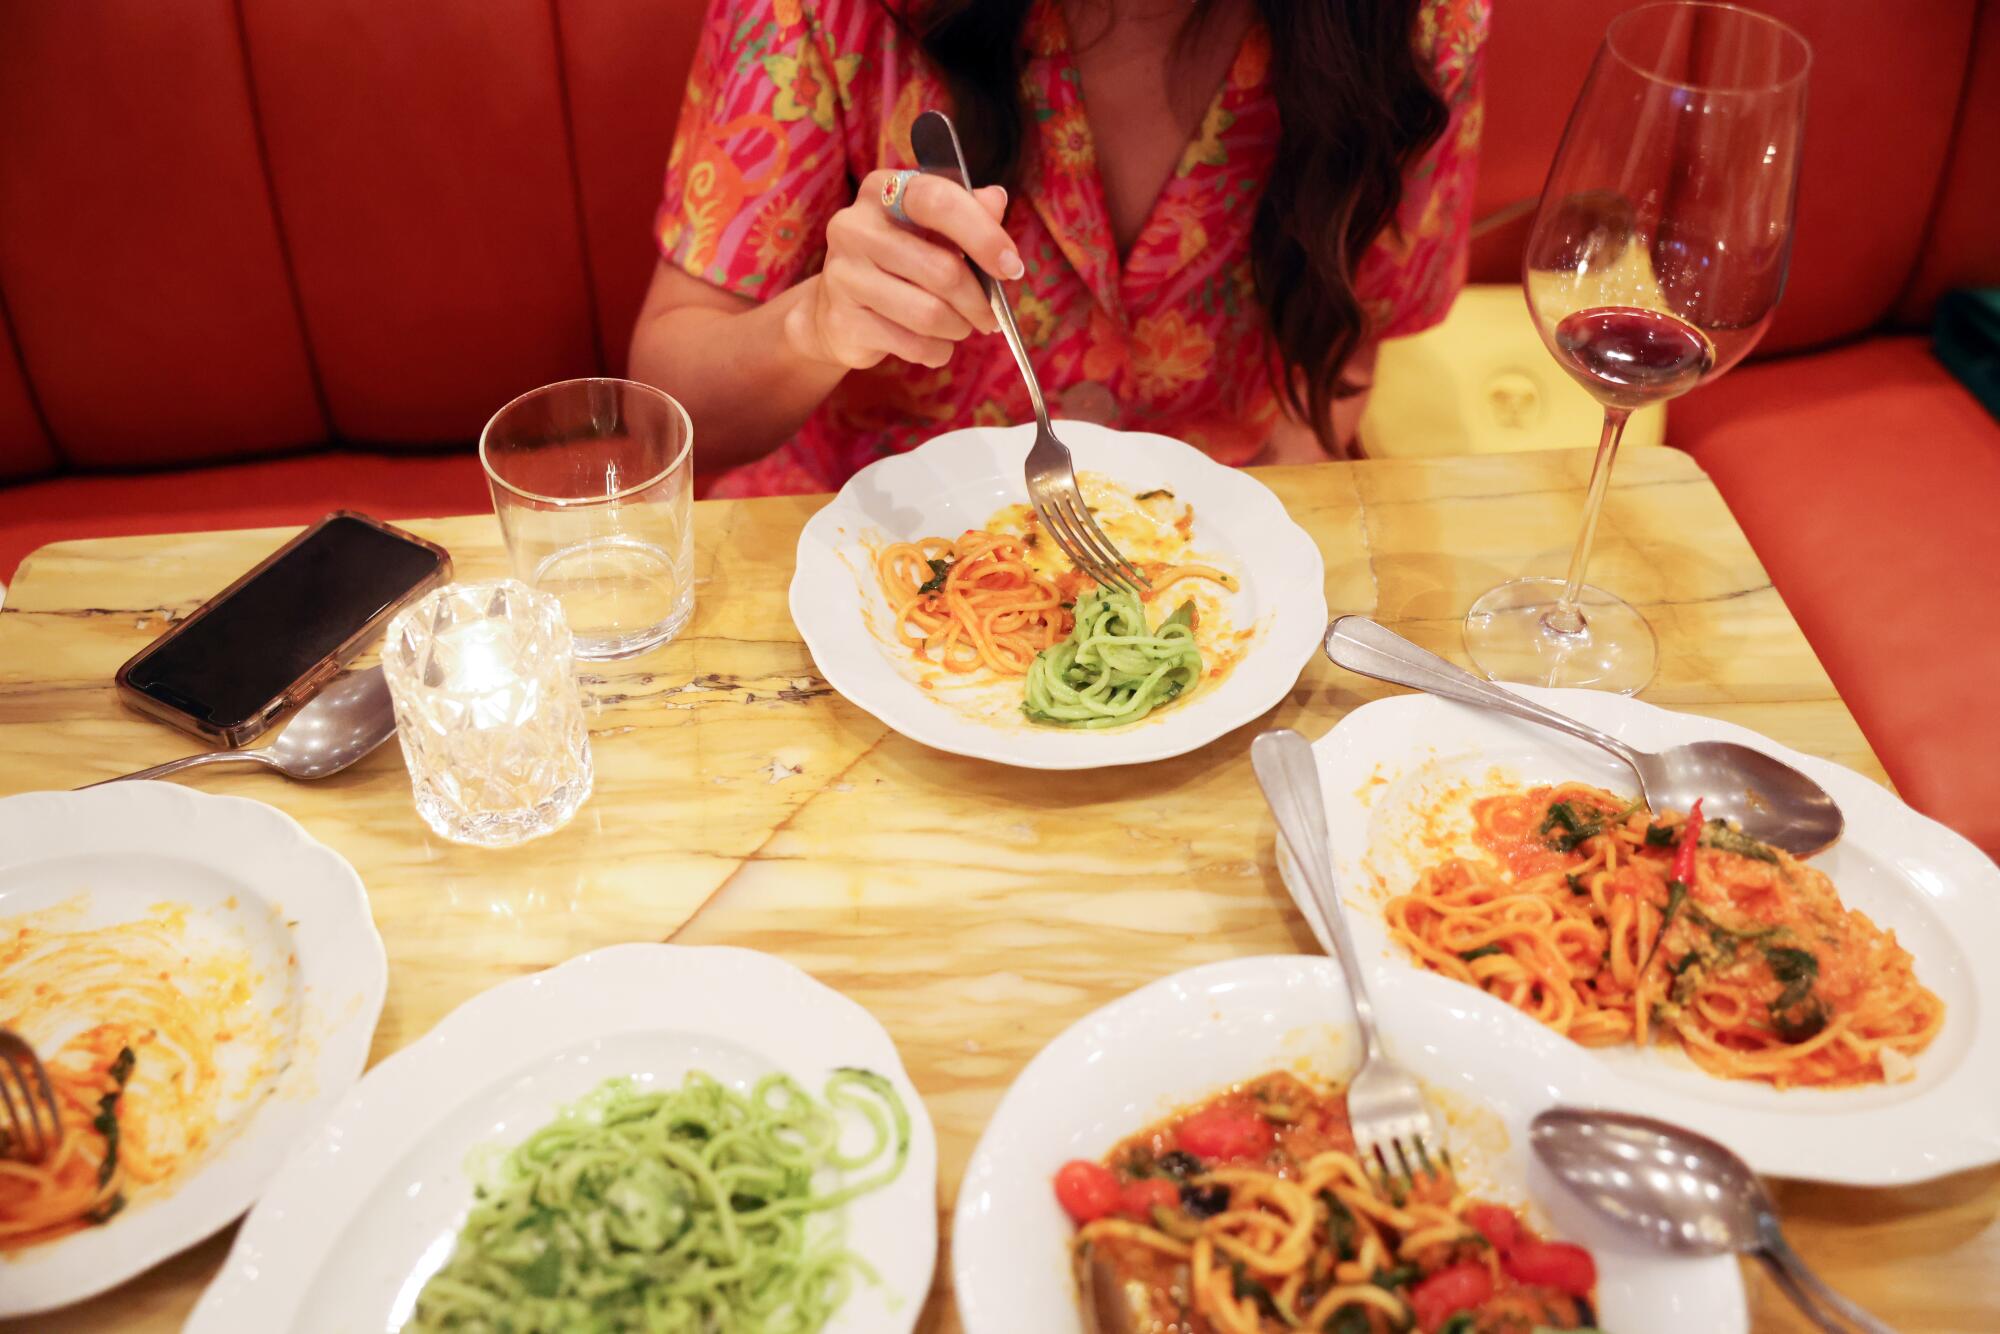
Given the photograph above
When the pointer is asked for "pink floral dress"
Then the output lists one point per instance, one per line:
(793, 101)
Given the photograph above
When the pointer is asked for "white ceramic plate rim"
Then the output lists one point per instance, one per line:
(1269, 549)
(736, 995)
(1846, 1137)
(1134, 1060)
(342, 975)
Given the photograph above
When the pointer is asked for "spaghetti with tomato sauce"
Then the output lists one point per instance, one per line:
(1250, 1214)
(132, 1022)
(1613, 925)
(993, 598)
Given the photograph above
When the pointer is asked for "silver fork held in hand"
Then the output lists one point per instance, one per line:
(1051, 473)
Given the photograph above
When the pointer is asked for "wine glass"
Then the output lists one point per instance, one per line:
(1656, 257)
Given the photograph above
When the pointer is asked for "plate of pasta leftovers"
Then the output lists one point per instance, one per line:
(931, 596)
(646, 1138)
(1181, 1159)
(1828, 1018)
(200, 980)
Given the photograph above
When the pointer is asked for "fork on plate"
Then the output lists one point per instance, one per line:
(1051, 472)
(30, 1125)
(1394, 1126)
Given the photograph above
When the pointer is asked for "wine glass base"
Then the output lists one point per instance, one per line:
(1509, 639)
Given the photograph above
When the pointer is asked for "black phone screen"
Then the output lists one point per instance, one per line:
(250, 647)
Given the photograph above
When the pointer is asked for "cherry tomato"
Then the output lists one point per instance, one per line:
(1552, 1264)
(1225, 1133)
(1460, 1287)
(1137, 1199)
(1087, 1191)
(1497, 1224)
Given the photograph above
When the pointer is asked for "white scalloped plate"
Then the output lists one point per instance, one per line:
(958, 481)
(1190, 1035)
(1386, 764)
(347, 1235)
(253, 876)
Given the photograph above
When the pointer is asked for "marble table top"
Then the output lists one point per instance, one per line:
(975, 910)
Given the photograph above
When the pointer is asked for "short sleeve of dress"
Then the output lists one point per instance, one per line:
(1411, 275)
(758, 162)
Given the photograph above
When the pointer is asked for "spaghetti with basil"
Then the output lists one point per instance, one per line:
(1747, 958)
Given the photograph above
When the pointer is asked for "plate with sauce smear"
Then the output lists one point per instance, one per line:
(202, 980)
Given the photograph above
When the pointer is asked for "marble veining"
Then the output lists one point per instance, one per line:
(976, 910)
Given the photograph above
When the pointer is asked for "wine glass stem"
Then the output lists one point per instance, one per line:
(1565, 618)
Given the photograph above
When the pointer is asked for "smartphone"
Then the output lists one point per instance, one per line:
(268, 642)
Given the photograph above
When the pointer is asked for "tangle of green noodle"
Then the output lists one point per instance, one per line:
(1112, 670)
(683, 1211)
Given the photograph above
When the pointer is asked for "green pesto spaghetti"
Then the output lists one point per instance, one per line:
(682, 1211)
(1112, 670)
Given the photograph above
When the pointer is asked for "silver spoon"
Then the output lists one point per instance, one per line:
(336, 728)
(1768, 799)
(1685, 1193)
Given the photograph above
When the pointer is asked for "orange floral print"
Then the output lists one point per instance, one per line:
(782, 228)
(1107, 353)
(1168, 352)
(793, 101)
(1070, 144)
(1253, 62)
(1035, 318)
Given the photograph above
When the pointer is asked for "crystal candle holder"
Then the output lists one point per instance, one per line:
(488, 712)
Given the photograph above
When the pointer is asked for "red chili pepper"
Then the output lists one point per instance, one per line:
(1684, 850)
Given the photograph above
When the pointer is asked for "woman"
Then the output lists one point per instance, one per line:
(1207, 212)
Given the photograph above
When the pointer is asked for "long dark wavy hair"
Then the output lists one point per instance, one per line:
(1356, 109)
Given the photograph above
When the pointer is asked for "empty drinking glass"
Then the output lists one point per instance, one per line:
(593, 482)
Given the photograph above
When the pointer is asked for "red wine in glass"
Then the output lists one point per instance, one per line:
(1655, 259)
(1628, 357)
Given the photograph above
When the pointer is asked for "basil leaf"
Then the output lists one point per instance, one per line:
(1676, 895)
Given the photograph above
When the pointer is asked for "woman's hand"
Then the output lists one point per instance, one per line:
(887, 290)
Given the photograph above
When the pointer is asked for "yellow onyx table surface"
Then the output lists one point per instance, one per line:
(976, 910)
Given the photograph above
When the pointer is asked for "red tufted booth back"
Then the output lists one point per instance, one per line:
(243, 227)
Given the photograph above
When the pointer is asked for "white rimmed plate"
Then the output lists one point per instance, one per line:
(1191, 1035)
(1388, 765)
(957, 482)
(250, 877)
(368, 1209)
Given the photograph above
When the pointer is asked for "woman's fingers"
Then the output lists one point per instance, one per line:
(905, 303)
(889, 290)
(951, 211)
(857, 327)
(935, 269)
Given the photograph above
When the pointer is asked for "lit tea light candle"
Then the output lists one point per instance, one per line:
(488, 712)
